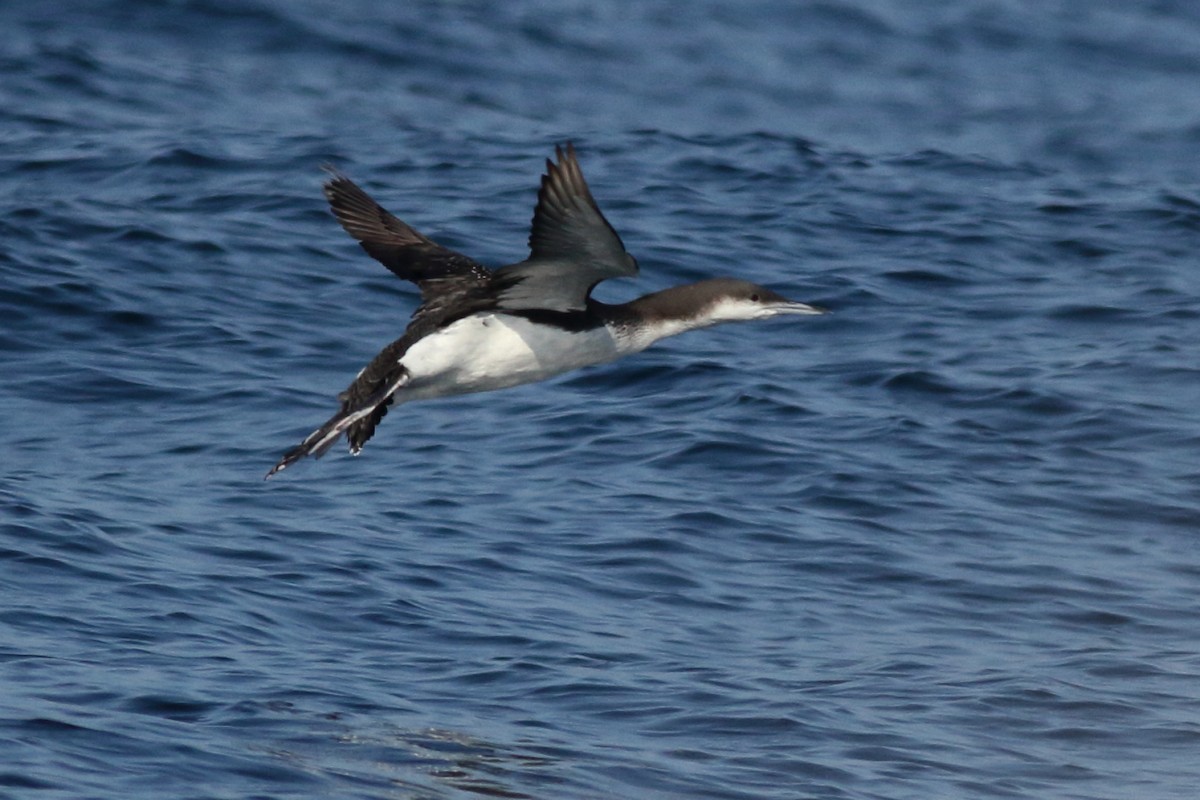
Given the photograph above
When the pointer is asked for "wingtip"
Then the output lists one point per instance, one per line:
(333, 172)
(335, 180)
(339, 185)
(564, 153)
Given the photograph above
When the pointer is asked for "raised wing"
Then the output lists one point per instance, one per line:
(399, 247)
(452, 286)
(571, 245)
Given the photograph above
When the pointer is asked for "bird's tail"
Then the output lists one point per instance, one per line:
(319, 441)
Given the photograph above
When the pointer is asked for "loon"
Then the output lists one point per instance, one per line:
(478, 329)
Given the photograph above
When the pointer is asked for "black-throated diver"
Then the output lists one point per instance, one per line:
(478, 329)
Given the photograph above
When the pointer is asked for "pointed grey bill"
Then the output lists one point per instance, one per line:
(793, 307)
(572, 247)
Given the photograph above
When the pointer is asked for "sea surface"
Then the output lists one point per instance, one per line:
(943, 542)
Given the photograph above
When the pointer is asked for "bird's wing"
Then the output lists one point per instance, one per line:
(399, 247)
(571, 245)
(452, 286)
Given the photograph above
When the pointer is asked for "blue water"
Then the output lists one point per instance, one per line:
(942, 543)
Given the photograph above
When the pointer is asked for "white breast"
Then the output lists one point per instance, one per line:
(495, 351)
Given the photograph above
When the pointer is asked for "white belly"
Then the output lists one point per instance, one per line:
(495, 351)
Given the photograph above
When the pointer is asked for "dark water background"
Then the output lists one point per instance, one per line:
(939, 544)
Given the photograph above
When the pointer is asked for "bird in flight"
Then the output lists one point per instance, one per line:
(479, 329)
